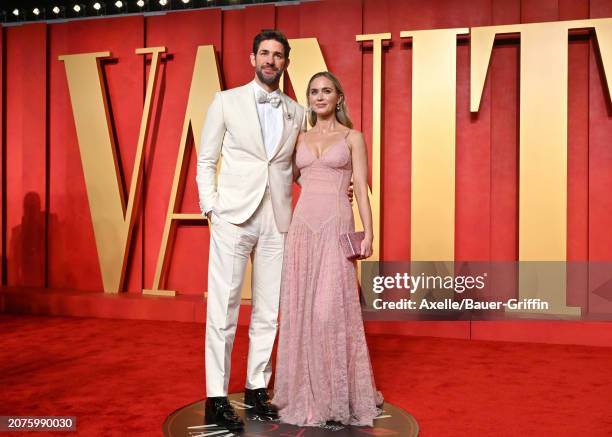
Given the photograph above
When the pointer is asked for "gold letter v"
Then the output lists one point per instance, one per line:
(112, 219)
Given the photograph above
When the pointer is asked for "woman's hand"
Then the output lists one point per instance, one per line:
(366, 247)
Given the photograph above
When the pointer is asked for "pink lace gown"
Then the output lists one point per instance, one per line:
(323, 370)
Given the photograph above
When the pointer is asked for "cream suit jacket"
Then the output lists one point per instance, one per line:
(232, 131)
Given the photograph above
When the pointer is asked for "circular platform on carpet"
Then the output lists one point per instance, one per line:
(189, 421)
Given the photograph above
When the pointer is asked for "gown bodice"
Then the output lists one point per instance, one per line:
(325, 181)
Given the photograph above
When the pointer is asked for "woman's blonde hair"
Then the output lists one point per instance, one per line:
(341, 110)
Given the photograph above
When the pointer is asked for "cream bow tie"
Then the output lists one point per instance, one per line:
(273, 99)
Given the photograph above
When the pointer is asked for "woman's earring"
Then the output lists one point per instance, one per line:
(337, 106)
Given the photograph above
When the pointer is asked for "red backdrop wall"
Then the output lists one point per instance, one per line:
(42, 164)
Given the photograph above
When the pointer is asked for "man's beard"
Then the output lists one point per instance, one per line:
(268, 80)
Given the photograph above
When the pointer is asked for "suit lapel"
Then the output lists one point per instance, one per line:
(288, 122)
(252, 120)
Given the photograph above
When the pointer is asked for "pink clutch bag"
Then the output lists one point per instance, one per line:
(351, 244)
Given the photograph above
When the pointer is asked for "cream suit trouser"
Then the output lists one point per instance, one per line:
(230, 248)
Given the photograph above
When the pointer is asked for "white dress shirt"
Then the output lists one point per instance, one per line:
(270, 120)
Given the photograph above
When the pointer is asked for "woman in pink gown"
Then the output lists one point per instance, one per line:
(323, 370)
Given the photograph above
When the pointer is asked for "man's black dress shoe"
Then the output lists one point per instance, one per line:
(260, 401)
(219, 411)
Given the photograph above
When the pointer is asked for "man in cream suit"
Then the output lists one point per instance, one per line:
(254, 129)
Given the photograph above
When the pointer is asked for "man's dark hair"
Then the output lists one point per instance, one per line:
(274, 34)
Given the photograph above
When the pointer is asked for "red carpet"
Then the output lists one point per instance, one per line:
(122, 377)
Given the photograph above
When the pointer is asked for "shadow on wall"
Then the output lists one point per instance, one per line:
(26, 257)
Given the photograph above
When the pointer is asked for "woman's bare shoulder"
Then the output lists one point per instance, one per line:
(355, 137)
